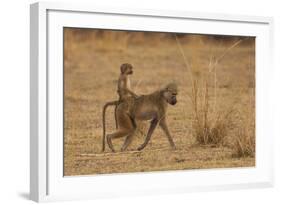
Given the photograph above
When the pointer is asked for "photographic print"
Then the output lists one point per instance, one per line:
(142, 101)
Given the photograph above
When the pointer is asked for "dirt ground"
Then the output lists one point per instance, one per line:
(91, 68)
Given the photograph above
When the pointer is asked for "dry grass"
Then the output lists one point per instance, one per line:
(244, 144)
(210, 126)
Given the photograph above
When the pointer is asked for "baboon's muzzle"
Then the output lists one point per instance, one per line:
(173, 101)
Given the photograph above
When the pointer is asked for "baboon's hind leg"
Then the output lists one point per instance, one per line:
(117, 134)
(128, 141)
(125, 125)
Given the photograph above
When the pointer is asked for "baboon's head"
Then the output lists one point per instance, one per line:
(170, 93)
(126, 69)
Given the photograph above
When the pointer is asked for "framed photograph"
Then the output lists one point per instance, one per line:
(129, 102)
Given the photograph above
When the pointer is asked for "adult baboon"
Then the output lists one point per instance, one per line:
(146, 107)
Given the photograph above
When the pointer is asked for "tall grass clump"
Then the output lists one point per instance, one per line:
(212, 121)
(244, 143)
(210, 126)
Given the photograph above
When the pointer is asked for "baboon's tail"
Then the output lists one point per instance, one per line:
(103, 120)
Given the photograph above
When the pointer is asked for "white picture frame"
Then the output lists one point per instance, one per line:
(47, 182)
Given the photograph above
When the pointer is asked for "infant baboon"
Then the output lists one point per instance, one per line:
(124, 87)
(126, 95)
(124, 83)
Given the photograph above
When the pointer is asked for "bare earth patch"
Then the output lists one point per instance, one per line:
(155, 160)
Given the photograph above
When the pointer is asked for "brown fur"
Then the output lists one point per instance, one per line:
(124, 86)
(124, 83)
(146, 107)
(124, 91)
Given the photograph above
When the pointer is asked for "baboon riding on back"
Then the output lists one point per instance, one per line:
(151, 107)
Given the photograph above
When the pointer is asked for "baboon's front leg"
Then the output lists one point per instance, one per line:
(149, 134)
(164, 127)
